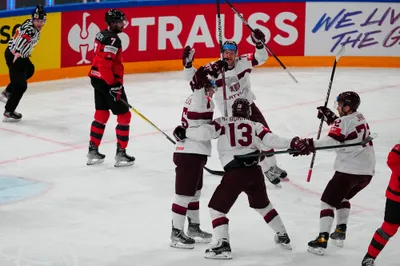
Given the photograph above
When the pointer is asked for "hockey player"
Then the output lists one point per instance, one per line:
(237, 81)
(19, 65)
(106, 75)
(354, 167)
(238, 135)
(190, 158)
(391, 221)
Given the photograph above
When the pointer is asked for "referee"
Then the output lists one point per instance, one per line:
(19, 65)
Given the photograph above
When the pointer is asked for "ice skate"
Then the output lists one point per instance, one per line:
(273, 176)
(368, 261)
(94, 157)
(219, 251)
(12, 117)
(319, 245)
(180, 240)
(122, 159)
(339, 235)
(282, 173)
(197, 234)
(282, 239)
(4, 96)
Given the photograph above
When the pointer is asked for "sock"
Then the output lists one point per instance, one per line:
(122, 129)
(327, 216)
(220, 224)
(98, 126)
(193, 208)
(380, 239)
(343, 212)
(179, 210)
(272, 218)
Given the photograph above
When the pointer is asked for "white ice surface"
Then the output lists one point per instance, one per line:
(104, 216)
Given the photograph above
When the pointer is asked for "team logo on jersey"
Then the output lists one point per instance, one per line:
(81, 39)
(233, 83)
(234, 87)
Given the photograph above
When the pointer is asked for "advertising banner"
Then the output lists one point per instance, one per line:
(161, 32)
(46, 54)
(366, 29)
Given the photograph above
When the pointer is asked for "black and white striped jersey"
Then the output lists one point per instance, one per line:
(25, 39)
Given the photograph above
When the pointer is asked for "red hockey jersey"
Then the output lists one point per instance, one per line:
(107, 62)
(393, 190)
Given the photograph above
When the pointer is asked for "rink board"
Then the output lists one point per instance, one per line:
(302, 34)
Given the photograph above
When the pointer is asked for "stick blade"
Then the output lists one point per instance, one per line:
(369, 138)
(340, 53)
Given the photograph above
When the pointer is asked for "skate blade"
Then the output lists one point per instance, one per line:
(276, 182)
(201, 239)
(337, 242)
(285, 246)
(124, 164)
(226, 255)
(94, 161)
(269, 184)
(316, 251)
(3, 99)
(176, 244)
(11, 120)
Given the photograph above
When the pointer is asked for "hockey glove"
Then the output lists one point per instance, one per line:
(200, 79)
(214, 69)
(258, 38)
(326, 114)
(180, 133)
(116, 91)
(301, 146)
(188, 57)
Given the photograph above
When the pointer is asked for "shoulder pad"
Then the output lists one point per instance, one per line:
(248, 57)
(396, 147)
(109, 38)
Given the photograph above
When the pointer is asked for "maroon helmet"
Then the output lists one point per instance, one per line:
(350, 99)
(241, 108)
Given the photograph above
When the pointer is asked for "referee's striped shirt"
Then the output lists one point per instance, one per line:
(25, 39)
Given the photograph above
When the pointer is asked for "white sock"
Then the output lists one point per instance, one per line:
(179, 210)
(326, 218)
(193, 208)
(272, 218)
(267, 163)
(343, 212)
(220, 224)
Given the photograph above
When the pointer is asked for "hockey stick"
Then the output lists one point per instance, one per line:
(364, 142)
(213, 172)
(222, 58)
(339, 54)
(265, 45)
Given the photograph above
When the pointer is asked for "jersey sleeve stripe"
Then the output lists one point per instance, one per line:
(396, 151)
(351, 136)
(263, 133)
(200, 116)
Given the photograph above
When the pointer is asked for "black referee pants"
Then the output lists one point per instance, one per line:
(19, 71)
